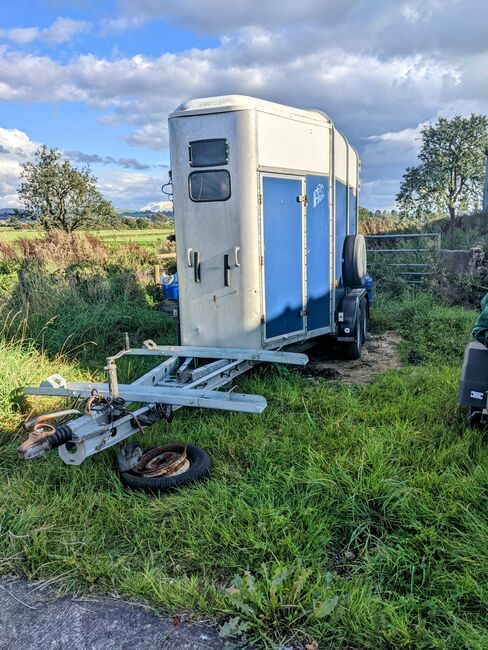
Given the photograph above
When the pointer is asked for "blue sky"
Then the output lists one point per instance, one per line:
(98, 79)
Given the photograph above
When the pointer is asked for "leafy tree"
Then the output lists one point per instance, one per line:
(451, 171)
(60, 196)
(142, 222)
(364, 213)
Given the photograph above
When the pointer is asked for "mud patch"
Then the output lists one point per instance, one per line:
(380, 353)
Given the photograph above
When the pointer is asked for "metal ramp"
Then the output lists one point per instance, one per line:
(189, 376)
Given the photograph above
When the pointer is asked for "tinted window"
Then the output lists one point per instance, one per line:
(210, 186)
(209, 153)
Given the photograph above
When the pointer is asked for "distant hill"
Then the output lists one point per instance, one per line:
(146, 213)
(166, 207)
(6, 213)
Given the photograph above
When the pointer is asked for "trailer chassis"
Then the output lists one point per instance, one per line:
(189, 376)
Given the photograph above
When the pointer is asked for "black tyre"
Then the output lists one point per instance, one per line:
(364, 316)
(200, 466)
(354, 261)
(353, 349)
(474, 418)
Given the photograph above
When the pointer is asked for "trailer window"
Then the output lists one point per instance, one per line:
(209, 153)
(209, 186)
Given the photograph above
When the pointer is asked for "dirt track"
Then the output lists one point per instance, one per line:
(380, 353)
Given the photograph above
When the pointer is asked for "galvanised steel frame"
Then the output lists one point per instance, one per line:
(189, 376)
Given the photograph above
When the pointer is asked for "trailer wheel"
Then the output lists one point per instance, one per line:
(200, 466)
(475, 418)
(353, 349)
(364, 316)
(354, 261)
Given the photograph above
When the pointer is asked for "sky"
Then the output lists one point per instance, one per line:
(98, 78)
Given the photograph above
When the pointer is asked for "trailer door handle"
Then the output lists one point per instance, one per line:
(189, 251)
(237, 252)
(196, 266)
(226, 271)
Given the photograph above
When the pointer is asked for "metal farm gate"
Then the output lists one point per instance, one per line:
(411, 257)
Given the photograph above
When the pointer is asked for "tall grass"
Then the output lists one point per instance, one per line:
(353, 516)
(69, 294)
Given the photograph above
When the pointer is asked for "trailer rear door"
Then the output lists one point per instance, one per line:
(283, 255)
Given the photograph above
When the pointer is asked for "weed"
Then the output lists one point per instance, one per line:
(273, 608)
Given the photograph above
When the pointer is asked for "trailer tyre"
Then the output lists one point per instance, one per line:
(200, 466)
(364, 316)
(353, 349)
(474, 420)
(354, 261)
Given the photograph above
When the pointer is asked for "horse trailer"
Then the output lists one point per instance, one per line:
(265, 199)
(268, 256)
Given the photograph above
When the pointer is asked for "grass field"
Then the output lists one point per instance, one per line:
(355, 516)
(150, 238)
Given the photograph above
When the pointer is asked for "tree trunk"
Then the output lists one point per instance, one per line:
(452, 215)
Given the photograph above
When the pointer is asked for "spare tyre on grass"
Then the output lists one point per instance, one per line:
(199, 466)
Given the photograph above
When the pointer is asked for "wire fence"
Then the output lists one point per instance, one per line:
(409, 257)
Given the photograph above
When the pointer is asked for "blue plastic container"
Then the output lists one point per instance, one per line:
(170, 291)
(368, 285)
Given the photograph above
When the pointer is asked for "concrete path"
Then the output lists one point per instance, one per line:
(31, 619)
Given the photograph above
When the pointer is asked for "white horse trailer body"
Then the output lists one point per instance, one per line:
(265, 203)
(264, 196)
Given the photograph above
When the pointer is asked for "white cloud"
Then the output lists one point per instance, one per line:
(126, 189)
(381, 69)
(20, 35)
(15, 149)
(362, 93)
(221, 15)
(405, 135)
(16, 143)
(61, 31)
(64, 30)
(120, 24)
(131, 189)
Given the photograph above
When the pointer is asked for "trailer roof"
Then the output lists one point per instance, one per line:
(227, 103)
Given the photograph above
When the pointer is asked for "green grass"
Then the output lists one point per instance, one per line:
(12, 234)
(352, 515)
(150, 239)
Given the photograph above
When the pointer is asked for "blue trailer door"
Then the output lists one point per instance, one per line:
(283, 255)
(318, 253)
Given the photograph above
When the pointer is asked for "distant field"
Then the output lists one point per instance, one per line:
(150, 238)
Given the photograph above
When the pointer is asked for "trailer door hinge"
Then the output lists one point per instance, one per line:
(261, 260)
(260, 199)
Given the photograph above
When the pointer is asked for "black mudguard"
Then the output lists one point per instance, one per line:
(347, 314)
